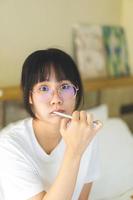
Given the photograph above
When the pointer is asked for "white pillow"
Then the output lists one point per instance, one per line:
(99, 113)
(116, 153)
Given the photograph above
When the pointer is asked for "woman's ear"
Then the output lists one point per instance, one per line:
(30, 98)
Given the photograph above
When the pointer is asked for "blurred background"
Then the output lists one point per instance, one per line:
(29, 25)
(26, 26)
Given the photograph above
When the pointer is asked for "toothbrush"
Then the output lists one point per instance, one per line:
(70, 117)
(63, 115)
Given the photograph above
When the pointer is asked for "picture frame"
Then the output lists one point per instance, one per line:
(101, 51)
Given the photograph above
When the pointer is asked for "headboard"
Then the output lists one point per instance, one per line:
(14, 92)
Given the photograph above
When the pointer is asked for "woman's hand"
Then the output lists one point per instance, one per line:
(79, 132)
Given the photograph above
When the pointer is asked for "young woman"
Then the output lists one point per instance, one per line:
(49, 157)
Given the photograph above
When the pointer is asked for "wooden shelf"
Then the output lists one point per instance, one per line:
(10, 93)
(101, 84)
(14, 92)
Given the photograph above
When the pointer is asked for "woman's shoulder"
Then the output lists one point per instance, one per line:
(14, 133)
(14, 142)
(15, 126)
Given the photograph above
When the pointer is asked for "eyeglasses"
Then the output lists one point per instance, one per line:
(66, 91)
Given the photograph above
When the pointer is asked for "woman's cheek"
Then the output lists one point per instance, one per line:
(70, 107)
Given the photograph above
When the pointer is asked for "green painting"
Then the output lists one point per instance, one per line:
(116, 50)
(101, 51)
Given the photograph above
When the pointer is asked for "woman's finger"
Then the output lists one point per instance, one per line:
(89, 119)
(76, 116)
(83, 116)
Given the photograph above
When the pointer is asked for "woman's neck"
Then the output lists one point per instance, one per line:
(47, 136)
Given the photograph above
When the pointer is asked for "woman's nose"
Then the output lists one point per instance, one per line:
(56, 99)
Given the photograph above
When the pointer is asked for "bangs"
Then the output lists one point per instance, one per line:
(45, 70)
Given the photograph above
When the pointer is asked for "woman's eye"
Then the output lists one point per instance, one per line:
(65, 86)
(44, 88)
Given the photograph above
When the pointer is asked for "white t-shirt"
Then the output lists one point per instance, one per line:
(26, 169)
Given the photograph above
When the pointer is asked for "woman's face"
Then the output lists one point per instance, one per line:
(51, 95)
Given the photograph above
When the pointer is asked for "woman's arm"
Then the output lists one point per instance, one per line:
(84, 195)
(77, 136)
(63, 187)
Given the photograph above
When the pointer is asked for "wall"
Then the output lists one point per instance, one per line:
(127, 21)
(29, 25)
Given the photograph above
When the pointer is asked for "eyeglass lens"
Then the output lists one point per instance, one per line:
(66, 91)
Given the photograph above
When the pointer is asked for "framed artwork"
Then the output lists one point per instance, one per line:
(116, 51)
(100, 51)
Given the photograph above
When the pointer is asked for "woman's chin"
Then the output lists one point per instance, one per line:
(55, 120)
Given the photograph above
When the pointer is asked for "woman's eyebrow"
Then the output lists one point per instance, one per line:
(64, 81)
(48, 81)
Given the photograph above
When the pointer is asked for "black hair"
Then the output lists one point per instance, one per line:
(37, 68)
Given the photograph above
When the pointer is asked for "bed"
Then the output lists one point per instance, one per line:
(116, 156)
(115, 148)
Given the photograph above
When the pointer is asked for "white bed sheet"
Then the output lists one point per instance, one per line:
(116, 152)
(128, 195)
